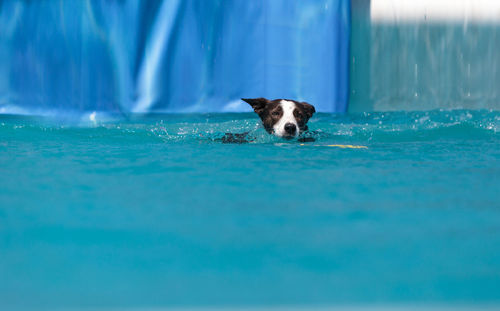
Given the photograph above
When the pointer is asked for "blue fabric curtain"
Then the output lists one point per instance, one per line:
(173, 55)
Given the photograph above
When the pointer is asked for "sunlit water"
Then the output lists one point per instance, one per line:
(156, 211)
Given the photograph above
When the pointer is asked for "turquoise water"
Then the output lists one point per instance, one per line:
(155, 211)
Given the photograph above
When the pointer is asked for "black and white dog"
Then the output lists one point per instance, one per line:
(281, 117)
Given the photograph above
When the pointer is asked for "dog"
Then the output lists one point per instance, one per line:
(284, 118)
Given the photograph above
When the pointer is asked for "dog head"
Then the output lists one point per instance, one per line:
(282, 117)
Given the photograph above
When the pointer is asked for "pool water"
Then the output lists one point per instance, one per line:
(154, 211)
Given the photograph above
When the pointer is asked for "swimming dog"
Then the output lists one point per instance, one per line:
(281, 117)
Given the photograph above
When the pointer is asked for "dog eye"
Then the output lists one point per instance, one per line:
(275, 113)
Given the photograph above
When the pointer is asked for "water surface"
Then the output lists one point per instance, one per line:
(154, 211)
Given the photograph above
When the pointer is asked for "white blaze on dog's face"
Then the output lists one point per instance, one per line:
(287, 124)
(282, 117)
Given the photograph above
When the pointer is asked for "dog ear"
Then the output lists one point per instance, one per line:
(258, 104)
(308, 109)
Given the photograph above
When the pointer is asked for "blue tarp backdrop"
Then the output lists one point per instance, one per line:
(173, 55)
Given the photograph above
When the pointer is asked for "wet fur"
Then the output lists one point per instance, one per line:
(275, 115)
(271, 111)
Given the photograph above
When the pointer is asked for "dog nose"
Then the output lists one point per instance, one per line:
(290, 128)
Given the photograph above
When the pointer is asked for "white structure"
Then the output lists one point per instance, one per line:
(400, 11)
